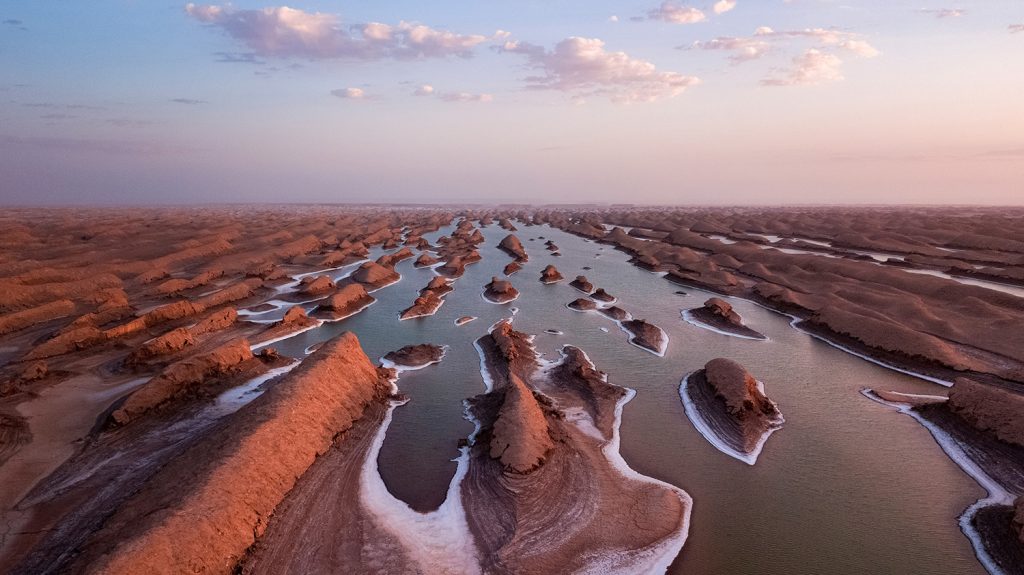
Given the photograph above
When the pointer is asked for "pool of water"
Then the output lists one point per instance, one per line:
(847, 486)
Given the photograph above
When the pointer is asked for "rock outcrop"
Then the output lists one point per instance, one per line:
(719, 314)
(500, 291)
(550, 275)
(348, 300)
(375, 276)
(511, 245)
(201, 512)
(581, 283)
(416, 355)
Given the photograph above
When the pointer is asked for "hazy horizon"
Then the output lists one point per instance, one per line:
(705, 103)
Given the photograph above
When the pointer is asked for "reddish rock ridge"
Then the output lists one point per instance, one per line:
(581, 283)
(582, 304)
(183, 378)
(575, 373)
(511, 245)
(348, 300)
(520, 438)
(500, 291)
(511, 268)
(616, 313)
(416, 355)
(375, 276)
(550, 275)
(718, 314)
(202, 511)
(389, 260)
(729, 399)
(313, 286)
(26, 318)
(646, 335)
(603, 296)
(425, 260)
(424, 305)
(990, 409)
(464, 320)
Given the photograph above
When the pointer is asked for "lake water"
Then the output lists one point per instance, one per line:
(847, 486)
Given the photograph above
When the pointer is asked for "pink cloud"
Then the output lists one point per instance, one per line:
(813, 67)
(676, 13)
(1016, 28)
(582, 67)
(289, 32)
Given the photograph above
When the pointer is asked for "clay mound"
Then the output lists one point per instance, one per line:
(424, 305)
(318, 285)
(26, 318)
(738, 389)
(500, 291)
(375, 276)
(576, 373)
(645, 335)
(181, 379)
(216, 321)
(991, 409)
(719, 314)
(464, 320)
(512, 268)
(515, 348)
(513, 247)
(389, 260)
(416, 355)
(202, 511)
(296, 317)
(438, 285)
(582, 284)
(425, 260)
(520, 437)
(582, 304)
(616, 313)
(67, 342)
(168, 343)
(453, 268)
(550, 275)
(349, 298)
(603, 296)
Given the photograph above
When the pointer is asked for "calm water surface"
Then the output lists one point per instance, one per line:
(846, 487)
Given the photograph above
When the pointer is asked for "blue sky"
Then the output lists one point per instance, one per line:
(806, 101)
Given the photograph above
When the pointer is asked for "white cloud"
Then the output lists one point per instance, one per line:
(613, 18)
(676, 13)
(458, 97)
(350, 93)
(816, 65)
(582, 67)
(288, 32)
(743, 49)
(813, 67)
(465, 97)
(944, 12)
(723, 6)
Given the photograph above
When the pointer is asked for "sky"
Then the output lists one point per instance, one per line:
(530, 101)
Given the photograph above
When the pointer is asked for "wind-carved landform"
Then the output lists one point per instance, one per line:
(545, 433)
(729, 408)
(187, 390)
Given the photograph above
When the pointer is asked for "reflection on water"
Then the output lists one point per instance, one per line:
(845, 487)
